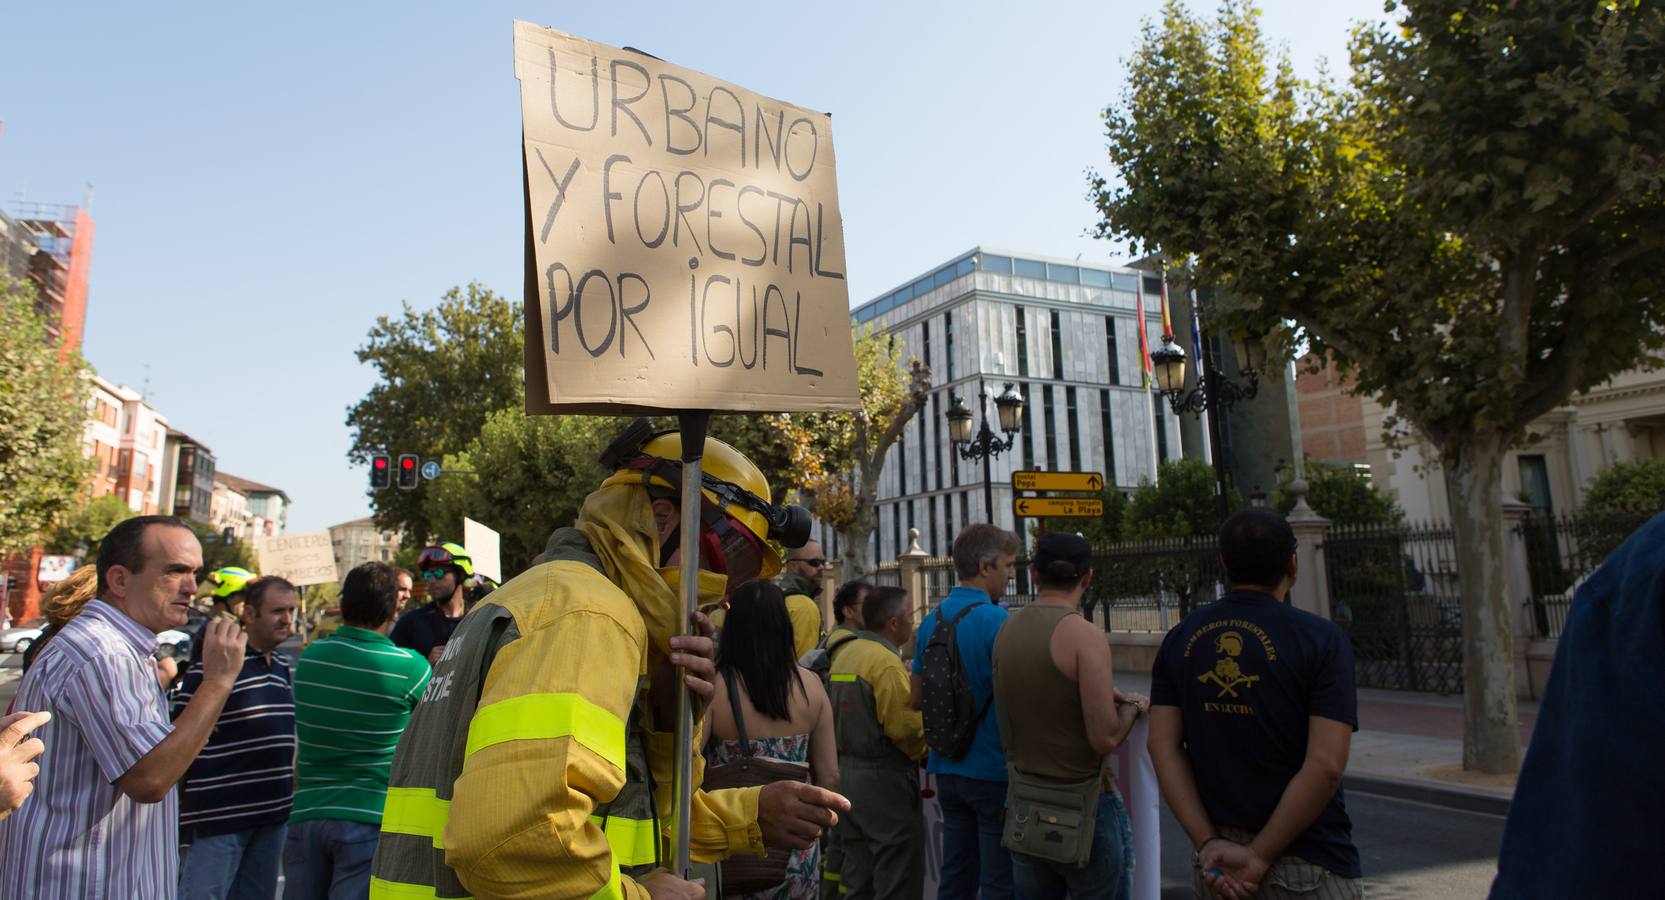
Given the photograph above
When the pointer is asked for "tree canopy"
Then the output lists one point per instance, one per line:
(441, 373)
(1636, 485)
(1473, 227)
(1340, 494)
(1179, 504)
(43, 412)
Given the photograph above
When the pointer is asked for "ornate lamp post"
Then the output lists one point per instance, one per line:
(1213, 390)
(984, 445)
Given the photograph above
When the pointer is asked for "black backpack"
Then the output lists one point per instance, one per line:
(950, 710)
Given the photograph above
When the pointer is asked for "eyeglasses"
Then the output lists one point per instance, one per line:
(434, 574)
(817, 563)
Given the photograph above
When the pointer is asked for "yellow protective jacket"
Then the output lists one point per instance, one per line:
(540, 788)
(873, 719)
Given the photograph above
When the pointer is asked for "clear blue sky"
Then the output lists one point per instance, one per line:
(269, 179)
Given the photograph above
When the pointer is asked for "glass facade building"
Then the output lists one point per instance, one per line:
(1066, 335)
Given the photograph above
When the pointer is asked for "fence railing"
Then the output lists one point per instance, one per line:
(1561, 552)
(1394, 590)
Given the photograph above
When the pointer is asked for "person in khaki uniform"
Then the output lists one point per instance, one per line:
(881, 739)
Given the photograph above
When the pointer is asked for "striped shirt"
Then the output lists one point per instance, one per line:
(79, 836)
(354, 692)
(245, 776)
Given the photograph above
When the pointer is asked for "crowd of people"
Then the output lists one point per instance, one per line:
(519, 742)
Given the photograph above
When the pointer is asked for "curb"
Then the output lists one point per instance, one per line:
(1448, 796)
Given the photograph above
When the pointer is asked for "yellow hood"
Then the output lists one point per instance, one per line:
(617, 519)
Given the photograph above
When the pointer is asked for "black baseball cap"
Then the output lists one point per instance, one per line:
(1062, 556)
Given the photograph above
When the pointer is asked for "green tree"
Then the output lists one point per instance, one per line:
(1628, 487)
(219, 551)
(1474, 227)
(43, 411)
(1340, 494)
(838, 456)
(440, 374)
(532, 474)
(86, 527)
(1179, 504)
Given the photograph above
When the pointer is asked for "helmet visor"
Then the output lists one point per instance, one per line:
(435, 557)
(729, 548)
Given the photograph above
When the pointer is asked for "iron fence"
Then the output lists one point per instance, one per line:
(1394, 590)
(886, 574)
(1561, 552)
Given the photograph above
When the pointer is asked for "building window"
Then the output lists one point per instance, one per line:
(924, 457)
(925, 340)
(1023, 343)
(943, 451)
(1534, 484)
(948, 340)
(990, 263)
(1050, 429)
(1063, 274)
(901, 465)
(965, 513)
(1028, 268)
(1161, 428)
(1095, 278)
(1074, 427)
(1109, 443)
(1110, 350)
(1028, 434)
(1057, 348)
(932, 539)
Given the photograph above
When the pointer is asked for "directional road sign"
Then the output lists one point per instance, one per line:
(430, 470)
(1071, 507)
(1057, 481)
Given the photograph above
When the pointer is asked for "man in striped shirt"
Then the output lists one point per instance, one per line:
(103, 822)
(354, 692)
(235, 800)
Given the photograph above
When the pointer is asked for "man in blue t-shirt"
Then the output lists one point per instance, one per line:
(972, 789)
(1252, 712)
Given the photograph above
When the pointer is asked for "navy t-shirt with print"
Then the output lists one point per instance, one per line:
(1246, 672)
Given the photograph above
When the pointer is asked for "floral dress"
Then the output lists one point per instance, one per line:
(803, 867)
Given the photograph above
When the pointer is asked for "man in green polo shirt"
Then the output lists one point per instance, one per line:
(354, 692)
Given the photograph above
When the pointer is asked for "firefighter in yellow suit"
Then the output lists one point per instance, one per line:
(538, 761)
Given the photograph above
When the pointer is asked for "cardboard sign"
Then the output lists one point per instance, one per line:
(1068, 507)
(684, 246)
(1057, 481)
(302, 558)
(484, 548)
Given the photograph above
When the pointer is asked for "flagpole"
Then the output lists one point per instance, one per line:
(1145, 379)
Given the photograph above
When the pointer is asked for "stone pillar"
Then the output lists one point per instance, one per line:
(1517, 586)
(1312, 579)
(831, 578)
(912, 575)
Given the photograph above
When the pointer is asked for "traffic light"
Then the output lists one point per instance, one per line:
(381, 471)
(407, 471)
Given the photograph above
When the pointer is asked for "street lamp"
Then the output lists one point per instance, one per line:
(984, 445)
(1213, 391)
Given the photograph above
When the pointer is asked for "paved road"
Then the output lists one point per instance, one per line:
(1410, 850)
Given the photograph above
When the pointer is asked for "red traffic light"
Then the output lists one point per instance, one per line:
(381, 471)
(407, 470)
(380, 462)
(407, 462)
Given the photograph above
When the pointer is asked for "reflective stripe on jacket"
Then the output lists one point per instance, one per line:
(870, 686)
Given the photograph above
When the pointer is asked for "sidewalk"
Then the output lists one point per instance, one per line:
(1410, 746)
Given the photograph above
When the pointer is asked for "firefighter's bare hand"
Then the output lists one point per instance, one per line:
(794, 814)
(697, 654)
(662, 885)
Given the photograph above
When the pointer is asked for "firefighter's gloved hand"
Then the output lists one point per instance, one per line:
(794, 814)
(698, 655)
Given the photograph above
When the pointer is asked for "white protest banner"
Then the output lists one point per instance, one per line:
(1136, 779)
(482, 545)
(684, 246)
(302, 558)
(54, 569)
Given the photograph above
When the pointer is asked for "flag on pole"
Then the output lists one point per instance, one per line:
(1144, 342)
(1167, 322)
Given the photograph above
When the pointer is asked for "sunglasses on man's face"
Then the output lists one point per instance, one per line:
(817, 562)
(434, 574)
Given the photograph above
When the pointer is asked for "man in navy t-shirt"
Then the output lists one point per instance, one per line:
(1253, 709)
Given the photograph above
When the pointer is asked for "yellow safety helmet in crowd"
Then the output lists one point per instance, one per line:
(446, 554)
(733, 487)
(230, 580)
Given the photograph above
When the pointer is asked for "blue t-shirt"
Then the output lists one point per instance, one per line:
(1246, 672)
(975, 634)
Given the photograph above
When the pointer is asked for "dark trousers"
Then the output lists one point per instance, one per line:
(973, 859)
(883, 834)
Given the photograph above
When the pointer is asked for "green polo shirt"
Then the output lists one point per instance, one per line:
(354, 692)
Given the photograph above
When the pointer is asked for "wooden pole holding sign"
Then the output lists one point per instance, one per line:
(684, 255)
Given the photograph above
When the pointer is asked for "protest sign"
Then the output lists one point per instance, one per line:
(482, 545)
(54, 569)
(684, 246)
(302, 558)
